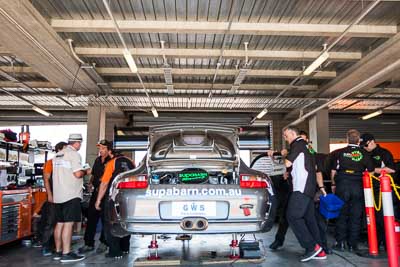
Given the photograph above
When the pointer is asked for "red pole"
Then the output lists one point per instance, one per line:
(388, 218)
(370, 212)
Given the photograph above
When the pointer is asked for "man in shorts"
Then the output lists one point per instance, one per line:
(68, 174)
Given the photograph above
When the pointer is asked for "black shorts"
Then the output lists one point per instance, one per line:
(69, 211)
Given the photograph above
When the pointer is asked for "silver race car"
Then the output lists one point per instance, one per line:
(192, 181)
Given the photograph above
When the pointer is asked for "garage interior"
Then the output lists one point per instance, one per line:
(122, 66)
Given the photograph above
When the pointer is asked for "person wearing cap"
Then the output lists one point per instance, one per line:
(104, 147)
(382, 160)
(118, 164)
(68, 174)
(347, 167)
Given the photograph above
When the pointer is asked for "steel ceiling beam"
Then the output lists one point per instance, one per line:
(205, 27)
(284, 55)
(210, 72)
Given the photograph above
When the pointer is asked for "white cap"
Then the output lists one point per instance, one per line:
(75, 137)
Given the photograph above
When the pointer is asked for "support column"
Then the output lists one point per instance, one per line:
(319, 131)
(96, 129)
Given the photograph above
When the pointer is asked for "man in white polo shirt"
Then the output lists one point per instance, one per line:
(67, 194)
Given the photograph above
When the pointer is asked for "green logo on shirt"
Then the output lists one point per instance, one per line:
(377, 157)
(310, 149)
(354, 155)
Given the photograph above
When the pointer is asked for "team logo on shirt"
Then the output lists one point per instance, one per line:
(310, 149)
(377, 157)
(354, 155)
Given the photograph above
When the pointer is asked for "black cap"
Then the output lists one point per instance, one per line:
(60, 146)
(365, 138)
(106, 143)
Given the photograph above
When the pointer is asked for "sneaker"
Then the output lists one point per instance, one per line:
(37, 244)
(71, 257)
(320, 256)
(125, 252)
(85, 249)
(46, 252)
(57, 255)
(311, 254)
(116, 256)
(101, 248)
(275, 245)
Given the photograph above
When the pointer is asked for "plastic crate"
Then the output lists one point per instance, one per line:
(330, 206)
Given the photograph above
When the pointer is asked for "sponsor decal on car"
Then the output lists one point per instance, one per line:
(193, 192)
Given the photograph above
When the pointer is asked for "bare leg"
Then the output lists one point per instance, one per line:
(57, 236)
(66, 237)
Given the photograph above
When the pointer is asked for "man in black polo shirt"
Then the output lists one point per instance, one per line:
(300, 209)
(382, 160)
(348, 165)
(105, 148)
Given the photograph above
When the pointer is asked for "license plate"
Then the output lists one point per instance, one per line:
(194, 208)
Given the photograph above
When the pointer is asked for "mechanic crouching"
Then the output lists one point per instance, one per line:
(348, 165)
(118, 164)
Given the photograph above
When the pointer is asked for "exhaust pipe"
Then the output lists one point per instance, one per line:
(194, 224)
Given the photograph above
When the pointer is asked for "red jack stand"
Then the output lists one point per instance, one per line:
(153, 249)
(234, 248)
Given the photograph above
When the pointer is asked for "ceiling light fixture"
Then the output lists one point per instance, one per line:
(154, 111)
(262, 113)
(42, 111)
(321, 59)
(371, 115)
(131, 62)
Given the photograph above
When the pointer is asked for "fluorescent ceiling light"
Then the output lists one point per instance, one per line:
(321, 59)
(154, 111)
(42, 111)
(131, 62)
(373, 114)
(262, 113)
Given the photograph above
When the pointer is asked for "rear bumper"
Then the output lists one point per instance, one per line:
(173, 227)
(137, 213)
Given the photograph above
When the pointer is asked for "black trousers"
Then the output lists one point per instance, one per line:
(93, 217)
(301, 217)
(116, 245)
(282, 189)
(348, 224)
(322, 226)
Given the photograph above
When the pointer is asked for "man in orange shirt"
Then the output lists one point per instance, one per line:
(118, 164)
(46, 223)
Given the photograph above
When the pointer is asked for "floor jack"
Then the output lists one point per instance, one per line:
(234, 248)
(153, 249)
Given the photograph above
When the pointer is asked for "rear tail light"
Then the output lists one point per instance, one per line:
(133, 182)
(252, 181)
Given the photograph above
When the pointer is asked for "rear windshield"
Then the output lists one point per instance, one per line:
(193, 145)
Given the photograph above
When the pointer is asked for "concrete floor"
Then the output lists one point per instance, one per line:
(192, 253)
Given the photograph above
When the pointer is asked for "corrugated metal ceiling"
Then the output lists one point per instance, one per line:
(252, 11)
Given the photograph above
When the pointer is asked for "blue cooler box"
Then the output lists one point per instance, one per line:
(330, 206)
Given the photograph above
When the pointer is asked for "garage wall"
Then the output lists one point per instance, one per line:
(384, 128)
